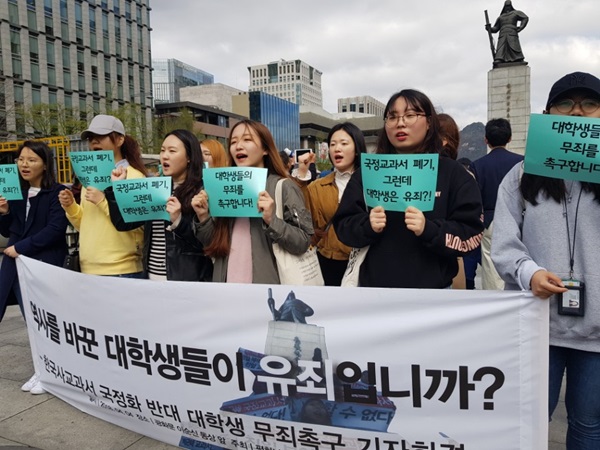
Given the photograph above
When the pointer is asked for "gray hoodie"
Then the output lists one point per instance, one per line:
(528, 238)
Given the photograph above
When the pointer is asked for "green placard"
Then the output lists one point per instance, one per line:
(10, 185)
(563, 147)
(233, 191)
(143, 199)
(398, 181)
(93, 168)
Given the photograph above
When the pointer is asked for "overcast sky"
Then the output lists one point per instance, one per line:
(376, 48)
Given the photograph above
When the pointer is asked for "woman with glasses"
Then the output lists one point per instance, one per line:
(412, 249)
(546, 232)
(102, 249)
(35, 225)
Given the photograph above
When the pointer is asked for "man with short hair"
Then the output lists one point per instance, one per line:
(489, 171)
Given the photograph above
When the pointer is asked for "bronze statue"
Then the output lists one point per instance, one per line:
(508, 26)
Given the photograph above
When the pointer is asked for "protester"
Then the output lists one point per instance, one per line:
(546, 232)
(450, 135)
(346, 142)
(213, 153)
(102, 249)
(412, 249)
(171, 250)
(473, 258)
(35, 226)
(242, 247)
(489, 170)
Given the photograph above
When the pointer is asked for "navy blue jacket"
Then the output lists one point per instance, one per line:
(489, 170)
(41, 236)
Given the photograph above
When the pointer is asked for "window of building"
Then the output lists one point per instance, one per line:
(13, 12)
(67, 79)
(117, 7)
(36, 96)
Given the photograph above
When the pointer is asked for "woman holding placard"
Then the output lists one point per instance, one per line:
(35, 226)
(346, 142)
(242, 247)
(412, 248)
(102, 249)
(171, 250)
(546, 235)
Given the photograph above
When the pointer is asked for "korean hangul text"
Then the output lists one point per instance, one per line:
(572, 166)
(385, 195)
(589, 150)
(158, 409)
(421, 196)
(101, 156)
(350, 373)
(158, 183)
(234, 175)
(316, 378)
(124, 400)
(46, 321)
(234, 189)
(424, 164)
(104, 179)
(235, 203)
(385, 444)
(583, 129)
(142, 198)
(89, 169)
(398, 180)
(82, 338)
(136, 211)
(133, 186)
(83, 157)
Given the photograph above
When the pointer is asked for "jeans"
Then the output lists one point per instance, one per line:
(582, 398)
(129, 275)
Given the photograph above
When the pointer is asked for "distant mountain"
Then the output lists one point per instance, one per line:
(472, 141)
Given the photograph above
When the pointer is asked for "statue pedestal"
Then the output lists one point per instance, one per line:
(509, 97)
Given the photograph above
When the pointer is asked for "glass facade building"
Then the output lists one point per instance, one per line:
(170, 75)
(86, 56)
(281, 117)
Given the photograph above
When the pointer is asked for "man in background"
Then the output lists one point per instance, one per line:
(489, 171)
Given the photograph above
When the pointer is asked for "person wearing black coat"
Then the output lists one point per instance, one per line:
(171, 250)
(35, 225)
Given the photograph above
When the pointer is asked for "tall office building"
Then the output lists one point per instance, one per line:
(294, 81)
(280, 116)
(88, 56)
(170, 75)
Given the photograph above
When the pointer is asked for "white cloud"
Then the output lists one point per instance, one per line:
(377, 48)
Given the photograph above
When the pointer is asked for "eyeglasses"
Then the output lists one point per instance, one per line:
(30, 162)
(409, 119)
(587, 105)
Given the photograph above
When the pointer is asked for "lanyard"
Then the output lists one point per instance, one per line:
(572, 247)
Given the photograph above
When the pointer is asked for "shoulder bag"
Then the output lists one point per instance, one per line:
(302, 270)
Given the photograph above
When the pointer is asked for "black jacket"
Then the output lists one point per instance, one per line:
(41, 236)
(185, 259)
(399, 258)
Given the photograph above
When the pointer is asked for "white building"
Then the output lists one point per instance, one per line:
(294, 81)
(363, 104)
(217, 95)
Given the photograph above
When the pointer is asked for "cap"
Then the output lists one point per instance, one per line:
(103, 125)
(575, 80)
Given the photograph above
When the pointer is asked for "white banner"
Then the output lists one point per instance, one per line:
(201, 364)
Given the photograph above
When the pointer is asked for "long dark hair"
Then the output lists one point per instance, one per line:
(130, 150)
(193, 174)
(420, 103)
(554, 188)
(449, 131)
(357, 137)
(220, 244)
(45, 153)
